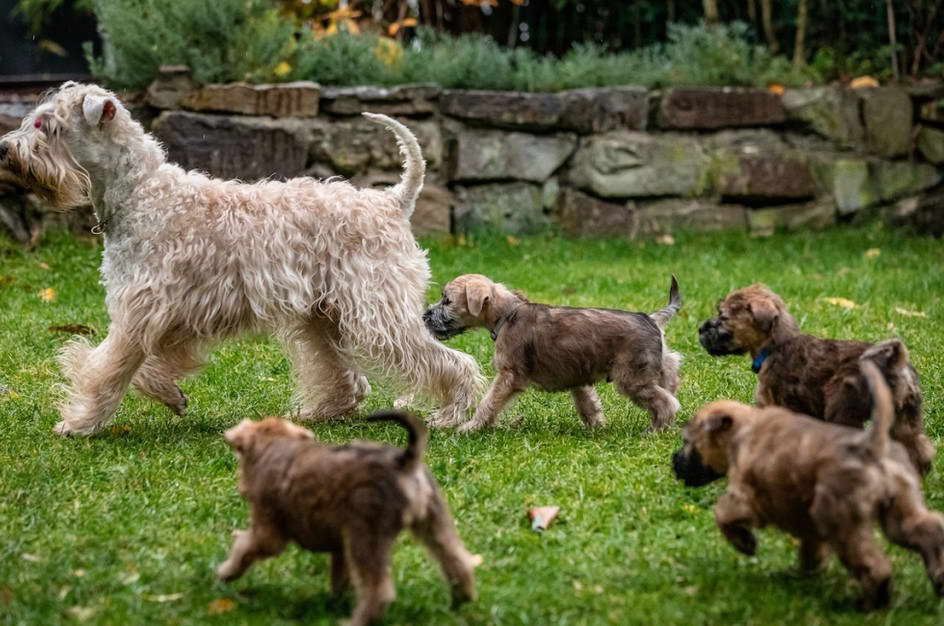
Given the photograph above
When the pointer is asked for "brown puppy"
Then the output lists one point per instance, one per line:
(351, 500)
(814, 376)
(822, 483)
(563, 349)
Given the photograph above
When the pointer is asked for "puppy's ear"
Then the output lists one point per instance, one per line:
(765, 314)
(98, 109)
(718, 423)
(239, 436)
(477, 295)
(890, 354)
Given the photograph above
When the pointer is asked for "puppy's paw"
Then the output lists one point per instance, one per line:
(741, 538)
(227, 571)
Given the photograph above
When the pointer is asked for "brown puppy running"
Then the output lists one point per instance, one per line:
(827, 485)
(351, 500)
(563, 349)
(814, 376)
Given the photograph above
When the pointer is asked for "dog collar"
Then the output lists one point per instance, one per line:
(501, 322)
(759, 360)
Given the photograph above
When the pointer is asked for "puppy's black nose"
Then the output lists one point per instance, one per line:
(4, 148)
(427, 314)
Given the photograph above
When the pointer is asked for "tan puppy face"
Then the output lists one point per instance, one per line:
(746, 319)
(703, 457)
(467, 302)
(245, 436)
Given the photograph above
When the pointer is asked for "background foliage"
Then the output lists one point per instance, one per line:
(513, 44)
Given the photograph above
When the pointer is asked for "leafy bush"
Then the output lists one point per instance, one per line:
(247, 40)
(220, 41)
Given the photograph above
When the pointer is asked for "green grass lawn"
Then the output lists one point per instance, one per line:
(127, 527)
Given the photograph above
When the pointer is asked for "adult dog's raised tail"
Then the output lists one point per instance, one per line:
(414, 167)
(883, 411)
(413, 453)
(662, 316)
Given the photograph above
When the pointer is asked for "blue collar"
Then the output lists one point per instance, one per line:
(759, 360)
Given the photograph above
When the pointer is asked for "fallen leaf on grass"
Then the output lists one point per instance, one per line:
(220, 606)
(6, 280)
(843, 302)
(79, 573)
(908, 313)
(166, 597)
(75, 329)
(129, 578)
(82, 613)
(48, 294)
(32, 558)
(6, 595)
(688, 507)
(871, 253)
(542, 516)
(665, 240)
(512, 241)
(45, 266)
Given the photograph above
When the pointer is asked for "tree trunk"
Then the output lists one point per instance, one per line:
(711, 11)
(751, 12)
(799, 46)
(890, 11)
(669, 11)
(767, 17)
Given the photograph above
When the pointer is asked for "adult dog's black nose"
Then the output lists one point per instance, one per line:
(4, 148)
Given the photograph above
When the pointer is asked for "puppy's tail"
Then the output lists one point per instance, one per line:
(882, 408)
(414, 167)
(662, 316)
(413, 453)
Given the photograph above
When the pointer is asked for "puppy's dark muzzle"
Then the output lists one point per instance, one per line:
(716, 339)
(691, 470)
(4, 149)
(438, 324)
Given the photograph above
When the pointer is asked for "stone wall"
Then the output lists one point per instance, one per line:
(621, 161)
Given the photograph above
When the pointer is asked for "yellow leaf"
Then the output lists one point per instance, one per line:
(512, 241)
(843, 302)
(13, 396)
(48, 294)
(690, 508)
(282, 69)
(871, 253)
(908, 313)
(665, 240)
(863, 82)
(166, 597)
(220, 606)
(45, 266)
(775, 88)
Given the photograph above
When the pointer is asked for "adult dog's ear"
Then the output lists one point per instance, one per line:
(477, 294)
(98, 109)
(765, 315)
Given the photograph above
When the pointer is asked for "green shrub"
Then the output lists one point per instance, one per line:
(228, 40)
(222, 40)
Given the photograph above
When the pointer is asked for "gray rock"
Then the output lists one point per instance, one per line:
(590, 110)
(811, 215)
(897, 179)
(923, 213)
(887, 112)
(415, 99)
(931, 144)
(933, 110)
(516, 109)
(352, 146)
(601, 109)
(514, 208)
(666, 216)
(581, 215)
(296, 99)
(719, 107)
(624, 164)
(480, 154)
(173, 84)
(758, 165)
(433, 213)
(848, 180)
(833, 112)
(248, 148)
